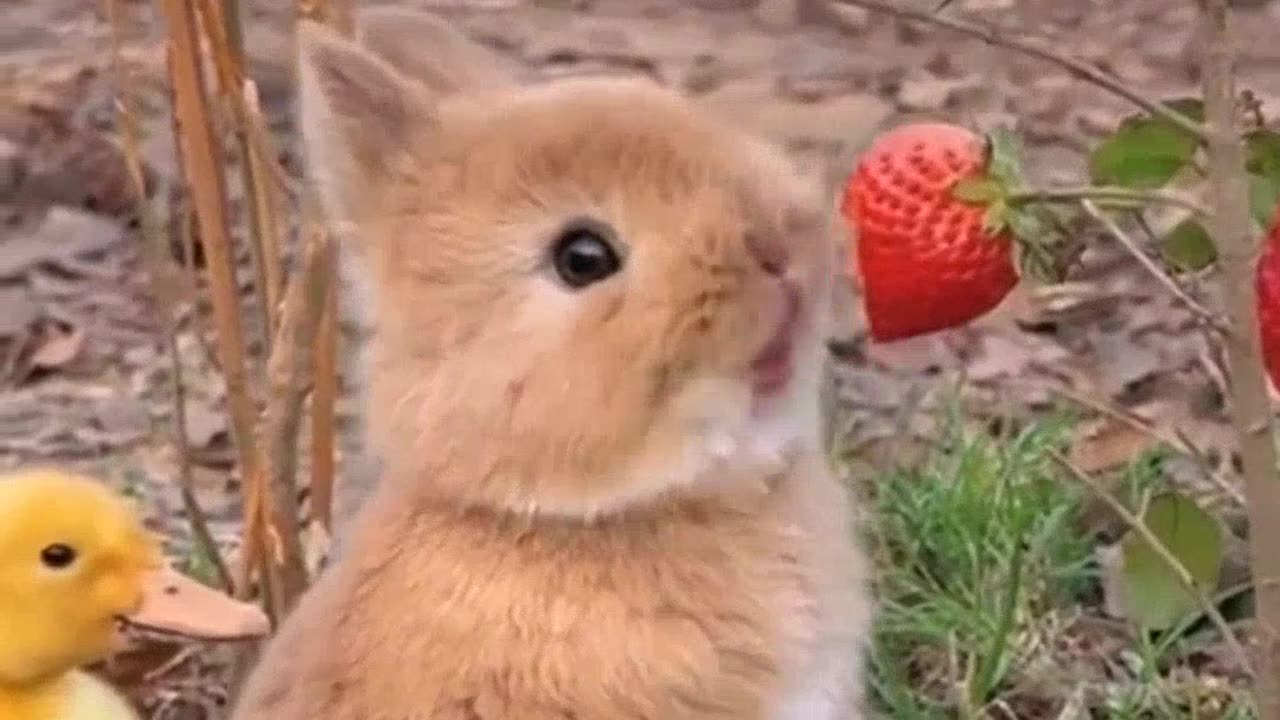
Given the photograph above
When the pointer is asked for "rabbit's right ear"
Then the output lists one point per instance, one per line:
(358, 117)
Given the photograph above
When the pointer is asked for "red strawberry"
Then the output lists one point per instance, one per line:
(1268, 289)
(927, 263)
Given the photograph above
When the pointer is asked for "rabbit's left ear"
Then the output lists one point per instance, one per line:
(358, 116)
(426, 49)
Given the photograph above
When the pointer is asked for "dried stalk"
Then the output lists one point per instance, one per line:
(224, 35)
(340, 14)
(1037, 48)
(288, 372)
(1105, 194)
(1131, 245)
(1231, 227)
(166, 295)
(1185, 577)
(204, 174)
(1177, 440)
(323, 408)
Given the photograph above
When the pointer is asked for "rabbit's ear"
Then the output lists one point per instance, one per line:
(427, 49)
(357, 114)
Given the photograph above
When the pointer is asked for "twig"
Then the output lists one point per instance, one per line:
(223, 29)
(339, 14)
(289, 373)
(1231, 227)
(1178, 440)
(1038, 48)
(1185, 577)
(166, 297)
(202, 164)
(323, 409)
(1132, 246)
(1104, 193)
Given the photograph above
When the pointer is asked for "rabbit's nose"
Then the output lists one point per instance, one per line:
(769, 252)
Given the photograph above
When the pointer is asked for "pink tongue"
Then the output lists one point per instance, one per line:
(772, 369)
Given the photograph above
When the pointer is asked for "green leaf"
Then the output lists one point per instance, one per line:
(1037, 242)
(1005, 162)
(1192, 107)
(977, 190)
(1155, 598)
(1264, 198)
(1262, 153)
(1143, 153)
(1262, 160)
(1188, 246)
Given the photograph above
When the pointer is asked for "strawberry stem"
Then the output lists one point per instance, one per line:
(1104, 195)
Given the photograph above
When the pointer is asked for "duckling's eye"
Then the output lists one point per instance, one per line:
(58, 556)
(582, 255)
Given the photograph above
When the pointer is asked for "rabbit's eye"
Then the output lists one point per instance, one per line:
(57, 556)
(583, 256)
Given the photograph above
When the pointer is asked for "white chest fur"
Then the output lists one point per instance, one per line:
(828, 692)
(825, 628)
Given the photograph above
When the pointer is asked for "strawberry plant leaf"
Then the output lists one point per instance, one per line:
(1144, 153)
(977, 190)
(1264, 198)
(1262, 160)
(1188, 246)
(1191, 107)
(1262, 153)
(1155, 596)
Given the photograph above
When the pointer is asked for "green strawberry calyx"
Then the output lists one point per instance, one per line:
(1034, 227)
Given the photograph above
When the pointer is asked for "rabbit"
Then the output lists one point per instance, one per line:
(593, 385)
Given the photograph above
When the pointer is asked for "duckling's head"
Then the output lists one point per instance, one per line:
(73, 559)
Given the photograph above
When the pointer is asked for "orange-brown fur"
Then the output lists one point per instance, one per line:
(581, 515)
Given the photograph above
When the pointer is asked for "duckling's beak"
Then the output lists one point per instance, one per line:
(174, 603)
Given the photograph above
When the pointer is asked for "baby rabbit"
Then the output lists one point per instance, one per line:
(593, 385)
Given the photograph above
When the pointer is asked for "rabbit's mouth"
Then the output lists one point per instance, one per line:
(774, 366)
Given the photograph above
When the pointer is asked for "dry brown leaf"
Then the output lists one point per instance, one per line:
(1107, 443)
(58, 348)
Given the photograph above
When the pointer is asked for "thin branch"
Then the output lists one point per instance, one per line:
(1038, 48)
(221, 22)
(1178, 440)
(1231, 227)
(166, 297)
(340, 15)
(289, 373)
(323, 409)
(1164, 278)
(1188, 581)
(1106, 193)
(201, 161)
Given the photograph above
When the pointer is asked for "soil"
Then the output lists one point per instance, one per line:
(85, 375)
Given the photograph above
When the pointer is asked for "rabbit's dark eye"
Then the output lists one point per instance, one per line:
(583, 256)
(58, 556)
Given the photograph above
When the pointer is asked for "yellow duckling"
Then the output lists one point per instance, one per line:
(74, 561)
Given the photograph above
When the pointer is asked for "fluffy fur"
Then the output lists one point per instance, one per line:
(585, 511)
